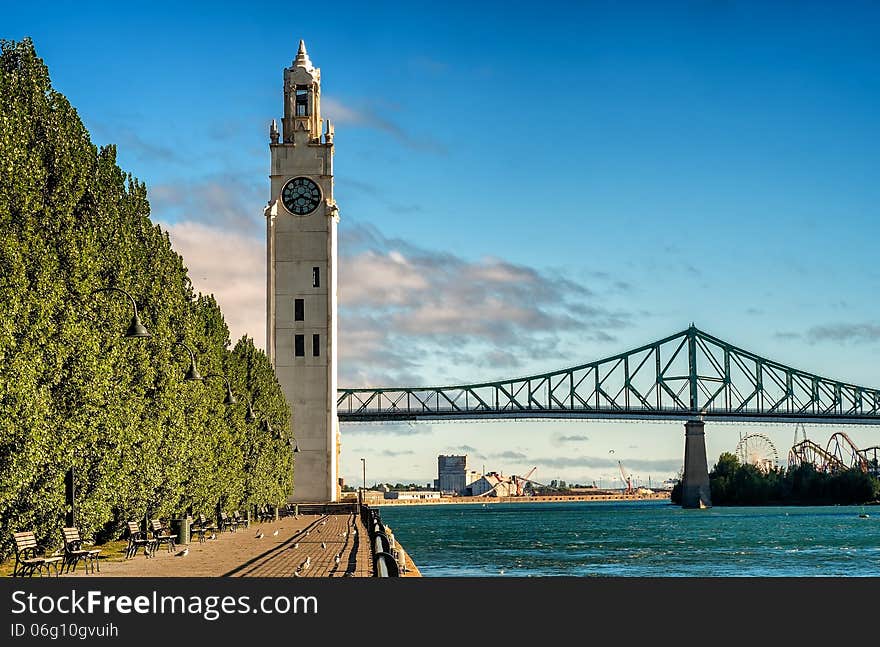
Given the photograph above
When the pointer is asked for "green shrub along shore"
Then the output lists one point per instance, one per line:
(732, 483)
(73, 390)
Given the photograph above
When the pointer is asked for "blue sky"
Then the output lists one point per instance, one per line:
(521, 188)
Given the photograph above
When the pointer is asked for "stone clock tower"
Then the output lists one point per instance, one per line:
(301, 224)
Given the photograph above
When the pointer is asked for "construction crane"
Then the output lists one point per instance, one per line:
(626, 479)
(520, 481)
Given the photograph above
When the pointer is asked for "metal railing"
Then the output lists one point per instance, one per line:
(383, 560)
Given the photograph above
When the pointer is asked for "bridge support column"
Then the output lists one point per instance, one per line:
(695, 480)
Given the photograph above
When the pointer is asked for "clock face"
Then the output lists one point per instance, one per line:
(301, 196)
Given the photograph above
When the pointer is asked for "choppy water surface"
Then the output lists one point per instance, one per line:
(637, 539)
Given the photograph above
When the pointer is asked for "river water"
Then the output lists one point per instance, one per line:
(637, 539)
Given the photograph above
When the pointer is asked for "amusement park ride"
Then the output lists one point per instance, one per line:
(840, 453)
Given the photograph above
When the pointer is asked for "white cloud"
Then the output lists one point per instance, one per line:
(407, 315)
(232, 267)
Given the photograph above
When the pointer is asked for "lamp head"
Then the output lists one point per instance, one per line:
(136, 328)
(230, 398)
(192, 374)
(249, 415)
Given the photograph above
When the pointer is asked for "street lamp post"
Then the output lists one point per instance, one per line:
(136, 329)
(230, 398)
(362, 490)
(192, 373)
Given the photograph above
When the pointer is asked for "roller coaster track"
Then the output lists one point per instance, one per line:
(840, 454)
(807, 451)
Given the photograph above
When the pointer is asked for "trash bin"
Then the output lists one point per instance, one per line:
(180, 527)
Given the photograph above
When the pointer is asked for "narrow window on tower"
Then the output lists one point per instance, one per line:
(302, 101)
(316, 277)
(298, 310)
(316, 345)
(299, 345)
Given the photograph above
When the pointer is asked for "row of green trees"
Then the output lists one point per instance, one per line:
(733, 483)
(73, 391)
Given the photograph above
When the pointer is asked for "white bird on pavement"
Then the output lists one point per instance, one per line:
(296, 545)
(213, 535)
(337, 559)
(275, 534)
(183, 553)
(259, 535)
(323, 545)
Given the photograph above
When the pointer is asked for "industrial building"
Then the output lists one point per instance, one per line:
(453, 475)
(492, 484)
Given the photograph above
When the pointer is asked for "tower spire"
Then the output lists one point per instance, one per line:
(302, 57)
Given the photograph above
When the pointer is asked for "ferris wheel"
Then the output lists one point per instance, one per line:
(757, 450)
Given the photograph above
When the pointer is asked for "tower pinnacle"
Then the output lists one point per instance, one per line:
(302, 57)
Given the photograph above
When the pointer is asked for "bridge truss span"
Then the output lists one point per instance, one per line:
(687, 375)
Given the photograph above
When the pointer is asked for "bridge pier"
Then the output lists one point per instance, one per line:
(695, 480)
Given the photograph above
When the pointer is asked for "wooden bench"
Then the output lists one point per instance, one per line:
(74, 553)
(200, 526)
(266, 513)
(27, 562)
(137, 538)
(228, 523)
(239, 519)
(161, 535)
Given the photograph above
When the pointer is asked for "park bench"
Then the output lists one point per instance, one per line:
(137, 538)
(74, 553)
(161, 535)
(266, 513)
(239, 519)
(27, 562)
(227, 523)
(201, 526)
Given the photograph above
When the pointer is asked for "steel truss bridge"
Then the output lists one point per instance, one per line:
(688, 375)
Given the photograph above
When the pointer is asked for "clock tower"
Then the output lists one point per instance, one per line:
(301, 222)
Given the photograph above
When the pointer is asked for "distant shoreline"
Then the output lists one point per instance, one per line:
(657, 496)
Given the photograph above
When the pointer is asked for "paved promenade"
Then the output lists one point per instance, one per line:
(306, 545)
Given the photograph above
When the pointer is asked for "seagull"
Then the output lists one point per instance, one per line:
(213, 535)
(324, 523)
(337, 559)
(275, 534)
(183, 553)
(323, 545)
(259, 535)
(296, 545)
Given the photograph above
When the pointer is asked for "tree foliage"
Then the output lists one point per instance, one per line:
(73, 391)
(733, 483)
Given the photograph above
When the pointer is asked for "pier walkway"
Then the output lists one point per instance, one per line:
(304, 545)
